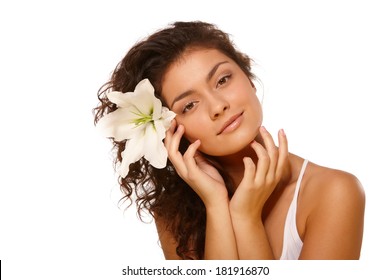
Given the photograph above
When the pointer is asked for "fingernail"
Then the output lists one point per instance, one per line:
(263, 128)
(282, 132)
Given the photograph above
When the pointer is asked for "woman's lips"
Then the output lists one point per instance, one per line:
(231, 124)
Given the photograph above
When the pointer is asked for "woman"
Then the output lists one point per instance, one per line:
(227, 191)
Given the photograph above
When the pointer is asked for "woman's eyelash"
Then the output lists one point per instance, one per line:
(223, 80)
(188, 106)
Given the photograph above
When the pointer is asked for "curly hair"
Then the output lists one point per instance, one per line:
(161, 191)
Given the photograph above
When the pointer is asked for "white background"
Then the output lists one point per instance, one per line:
(325, 66)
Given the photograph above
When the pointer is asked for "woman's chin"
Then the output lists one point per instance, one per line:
(229, 149)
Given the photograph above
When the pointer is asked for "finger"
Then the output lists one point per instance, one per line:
(173, 126)
(173, 141)
(190, 162)
(169, 133)
(189, 155)
(249, 172)
(283, 153)
(271, 148)
(262, 162)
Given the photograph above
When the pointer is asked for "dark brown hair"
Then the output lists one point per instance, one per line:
(161, 191)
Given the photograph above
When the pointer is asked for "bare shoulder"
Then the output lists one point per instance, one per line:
(333, 203)
(332, 186)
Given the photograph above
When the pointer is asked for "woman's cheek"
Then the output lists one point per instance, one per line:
(190, 137)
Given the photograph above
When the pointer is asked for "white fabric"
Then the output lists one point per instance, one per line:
(292, 243)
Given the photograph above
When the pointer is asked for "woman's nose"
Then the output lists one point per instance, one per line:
(218, 106)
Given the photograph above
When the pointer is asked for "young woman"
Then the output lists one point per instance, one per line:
(227, 191)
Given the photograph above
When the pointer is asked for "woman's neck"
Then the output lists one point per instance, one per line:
(233, 165)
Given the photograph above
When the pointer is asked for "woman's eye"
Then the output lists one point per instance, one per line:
(223, 80)
(188, 106)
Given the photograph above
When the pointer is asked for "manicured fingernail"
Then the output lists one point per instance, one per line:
(282, 132)
(263, 128)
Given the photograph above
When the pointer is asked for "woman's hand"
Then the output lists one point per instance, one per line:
(260, 179)
(194, 169)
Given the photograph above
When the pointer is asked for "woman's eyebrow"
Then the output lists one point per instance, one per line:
(209, 76)
(214, 69)
(181, 96)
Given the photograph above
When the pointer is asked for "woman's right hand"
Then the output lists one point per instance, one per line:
(194, 168)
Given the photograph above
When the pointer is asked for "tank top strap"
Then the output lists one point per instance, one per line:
(299, 181)
(292, 243)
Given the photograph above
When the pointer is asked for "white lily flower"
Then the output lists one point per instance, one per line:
(141, 120)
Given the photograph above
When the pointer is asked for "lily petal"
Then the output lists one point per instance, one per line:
(158, 156)
(143, 97)
(155, 151)
(159, 129)
(122, 100)
(157, 108)
(167, 117)
(134, 150)
(118, 124)
(144, 85)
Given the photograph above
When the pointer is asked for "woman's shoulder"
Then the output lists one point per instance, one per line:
(328, 180)
(332, 204)
(326, 188)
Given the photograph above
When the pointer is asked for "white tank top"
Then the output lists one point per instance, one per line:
(292, 243)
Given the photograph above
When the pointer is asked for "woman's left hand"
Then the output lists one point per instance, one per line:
(260, 179)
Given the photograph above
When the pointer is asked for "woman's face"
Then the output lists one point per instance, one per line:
(214, 100)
